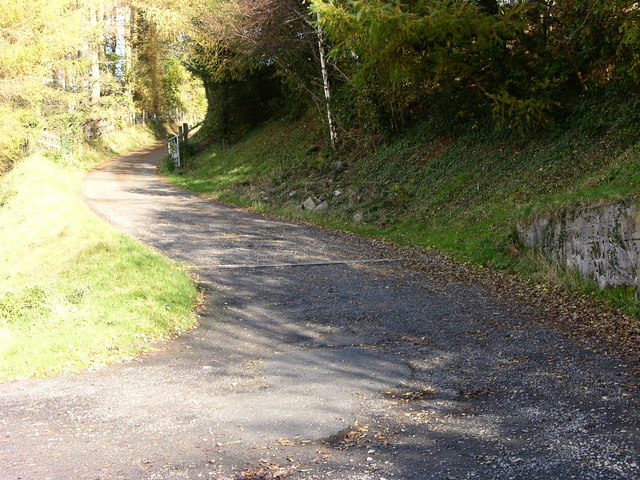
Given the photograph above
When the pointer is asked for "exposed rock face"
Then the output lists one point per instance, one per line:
(601, 243)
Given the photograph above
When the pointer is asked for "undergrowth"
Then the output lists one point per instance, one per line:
(74, 292)
(461, 192)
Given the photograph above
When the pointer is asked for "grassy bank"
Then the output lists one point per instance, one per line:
(462, 191)
(74, 292)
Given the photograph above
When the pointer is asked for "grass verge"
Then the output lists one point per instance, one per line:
(74, 292)
(462, 192)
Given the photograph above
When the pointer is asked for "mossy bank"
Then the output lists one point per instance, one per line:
(463, 189)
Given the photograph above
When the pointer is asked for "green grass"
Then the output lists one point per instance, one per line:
(74, 292)
(462, 193)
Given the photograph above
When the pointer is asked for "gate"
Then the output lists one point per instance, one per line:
(174, 149)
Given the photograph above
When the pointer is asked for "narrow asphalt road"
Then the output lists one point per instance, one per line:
(339, 370)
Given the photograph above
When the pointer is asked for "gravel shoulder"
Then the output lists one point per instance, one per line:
(339, 370)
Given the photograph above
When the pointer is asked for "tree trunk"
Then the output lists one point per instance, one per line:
(333, 136)
(128, 38)
(94, 56)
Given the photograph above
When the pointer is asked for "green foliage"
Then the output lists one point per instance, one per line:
(523, 63)
(522, 114)
(530, 61)
(396, 54)
(158, 75)
(257, 58)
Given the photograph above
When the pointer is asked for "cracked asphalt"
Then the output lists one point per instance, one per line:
(339, 370)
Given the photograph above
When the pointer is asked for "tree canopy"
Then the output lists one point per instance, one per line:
(364, 65)
(521, 63)
(66, 62)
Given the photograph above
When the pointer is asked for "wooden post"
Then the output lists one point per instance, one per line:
(185, 132)
(180, 133)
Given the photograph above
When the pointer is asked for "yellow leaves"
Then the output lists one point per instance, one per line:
(40, 32)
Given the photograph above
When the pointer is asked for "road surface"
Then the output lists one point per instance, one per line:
(333, 359)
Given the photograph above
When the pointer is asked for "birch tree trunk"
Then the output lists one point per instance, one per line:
(333, 136)
(94, 55)
(128, 37)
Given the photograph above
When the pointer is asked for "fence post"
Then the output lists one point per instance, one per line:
(178, 152)
(185, 132)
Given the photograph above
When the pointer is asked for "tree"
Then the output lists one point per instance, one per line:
(252, 41)
(39, 68)
(396, 54)
(66, 61)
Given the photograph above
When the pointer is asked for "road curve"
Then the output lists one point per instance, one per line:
(318, 365)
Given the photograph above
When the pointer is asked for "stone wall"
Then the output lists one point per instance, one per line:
(602, 243)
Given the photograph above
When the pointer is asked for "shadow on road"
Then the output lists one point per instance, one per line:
(324, 372)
